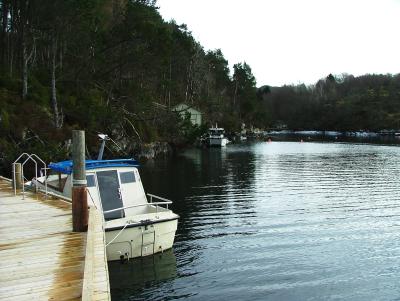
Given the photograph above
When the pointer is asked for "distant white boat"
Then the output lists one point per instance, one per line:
(333, 133)
(216, 137)
(309, 133)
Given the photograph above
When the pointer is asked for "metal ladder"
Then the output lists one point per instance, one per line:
(151, 242)
(28, 157)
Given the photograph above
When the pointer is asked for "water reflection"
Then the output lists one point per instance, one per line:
(207, 186)
(136, 276)
(278, 221)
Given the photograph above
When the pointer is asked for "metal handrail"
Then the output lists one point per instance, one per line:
(44, 168)
(31, 157)
(13, 171)
(157, 197)
(22, 171)
(141, 205)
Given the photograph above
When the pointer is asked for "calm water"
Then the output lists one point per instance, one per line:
(274, 221)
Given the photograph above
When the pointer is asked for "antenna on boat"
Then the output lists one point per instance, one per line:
(103, 137)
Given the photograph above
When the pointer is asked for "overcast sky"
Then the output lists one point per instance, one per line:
(296, 41)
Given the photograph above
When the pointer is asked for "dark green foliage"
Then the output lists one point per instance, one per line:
(117, 67)
(190, 132)
(369, 102)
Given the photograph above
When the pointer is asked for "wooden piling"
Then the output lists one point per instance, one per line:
(18, 176)
(80, 214)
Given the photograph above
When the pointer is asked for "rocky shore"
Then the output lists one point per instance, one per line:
(151, 150)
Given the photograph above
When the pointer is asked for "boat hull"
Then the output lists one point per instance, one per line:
(219, 142)
(138, 240)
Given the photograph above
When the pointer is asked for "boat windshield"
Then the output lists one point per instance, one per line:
(216, 132)
(56, 180)
(110, 194)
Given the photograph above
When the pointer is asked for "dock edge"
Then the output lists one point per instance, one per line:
(96, 284)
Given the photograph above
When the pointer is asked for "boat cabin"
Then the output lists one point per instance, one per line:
(218, 132)
(111, 184)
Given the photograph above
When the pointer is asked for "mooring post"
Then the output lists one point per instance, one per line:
(80, 213)
(17, 176)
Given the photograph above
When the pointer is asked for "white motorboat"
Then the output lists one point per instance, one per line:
(134, 225)
(216, 137)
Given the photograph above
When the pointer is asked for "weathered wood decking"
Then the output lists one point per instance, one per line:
(96, 285)
(41, 258)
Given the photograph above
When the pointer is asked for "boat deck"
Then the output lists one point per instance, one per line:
(41, 258)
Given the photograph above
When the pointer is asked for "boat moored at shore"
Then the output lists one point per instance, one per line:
(135, 224)
(216, 137)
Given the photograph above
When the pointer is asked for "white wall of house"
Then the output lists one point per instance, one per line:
(195, 115)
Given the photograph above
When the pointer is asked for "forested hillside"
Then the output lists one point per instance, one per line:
(112, 66)
(115, 66)
(343, 103)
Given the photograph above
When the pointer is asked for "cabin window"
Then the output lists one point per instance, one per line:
(127, 177)
(110, 194)
(90, 181)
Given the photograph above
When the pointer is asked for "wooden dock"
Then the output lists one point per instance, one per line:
(41, 258)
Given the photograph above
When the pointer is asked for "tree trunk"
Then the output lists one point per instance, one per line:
(169, 83)
(24, 27)
(24, 69)
(11, 42)
(54, 104)
(235, 94)
(10, 56)
(208, 81)
(4, 26)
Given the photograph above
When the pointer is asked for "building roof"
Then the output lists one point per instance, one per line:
(66, 166)
(184, 107)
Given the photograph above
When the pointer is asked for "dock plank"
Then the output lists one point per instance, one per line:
(41, 258)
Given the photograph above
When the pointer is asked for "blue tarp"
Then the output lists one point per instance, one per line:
(66, 166)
